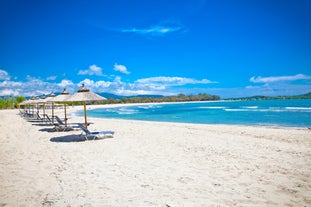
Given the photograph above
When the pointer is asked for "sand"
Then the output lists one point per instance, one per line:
(153, 164)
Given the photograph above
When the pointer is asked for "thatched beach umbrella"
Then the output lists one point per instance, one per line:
(26, 105)
(62, 98)
(50, 100)
(85, 95)
(33, 102)
(43, 101)
(25, 102)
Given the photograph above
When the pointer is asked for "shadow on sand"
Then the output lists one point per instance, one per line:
(47, 130)
(68, 138)
(42, 124)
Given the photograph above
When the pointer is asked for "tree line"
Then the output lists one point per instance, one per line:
(146, 99)
(12, 102)
(255, 98)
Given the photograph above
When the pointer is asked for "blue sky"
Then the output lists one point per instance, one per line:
(230, 48)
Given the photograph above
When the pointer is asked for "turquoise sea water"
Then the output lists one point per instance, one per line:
(287, 113)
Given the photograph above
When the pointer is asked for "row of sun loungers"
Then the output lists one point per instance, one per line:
(59, 125)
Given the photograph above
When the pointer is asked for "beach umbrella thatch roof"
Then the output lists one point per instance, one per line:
(85, 94)
(61, 97)
(42, 99)
(26, 102)
(51, 97)
(33, 100)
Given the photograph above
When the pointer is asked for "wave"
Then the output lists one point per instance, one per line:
(271, 109)
(212, 107)
(237, 110)
(110, 110)
(250, 107)
(120, 110)
(126, 111)
(256, 110)
(299, 108)
(149, 106)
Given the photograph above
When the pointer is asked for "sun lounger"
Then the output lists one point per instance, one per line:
(58, 120)
(27, 115)
(33, 117)
(47, 118)
(61, 126)
(24, 113)
(38, 117)
(95, 135)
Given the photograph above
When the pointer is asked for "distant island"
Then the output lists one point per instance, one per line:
(253, 98)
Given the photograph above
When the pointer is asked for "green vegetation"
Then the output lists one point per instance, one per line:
(304, 96)
(11, 102)
(178, 98)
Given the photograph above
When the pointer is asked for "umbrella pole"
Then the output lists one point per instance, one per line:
(65, 114)
(84, 105)
(44, 111)
(52, 112)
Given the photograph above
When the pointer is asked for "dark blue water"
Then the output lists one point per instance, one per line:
(287, 113)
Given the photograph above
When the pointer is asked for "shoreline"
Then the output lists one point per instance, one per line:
(152, 164)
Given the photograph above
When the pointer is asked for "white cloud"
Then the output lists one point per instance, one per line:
(87, 82)
(10, 84)
(51, 77)
(129, 92)
(96, 86)
(34, 87)
(156, 30)
(92, 70)
(65, 83)
(172, 81)
(117, 79)
(121, 68)
(4, 75)
(271, 79)
(9, 92)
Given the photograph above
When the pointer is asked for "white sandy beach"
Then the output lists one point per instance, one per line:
(153, 164)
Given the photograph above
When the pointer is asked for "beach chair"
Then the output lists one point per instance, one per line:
(38, 117)
(23, 113)
(33, 117)
(61, 126)
(95, 135)
(47, 118)
(59, 121)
